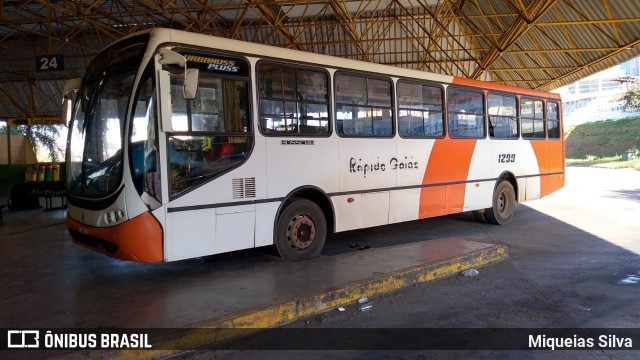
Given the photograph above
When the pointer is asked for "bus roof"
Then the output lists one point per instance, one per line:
(163, 35)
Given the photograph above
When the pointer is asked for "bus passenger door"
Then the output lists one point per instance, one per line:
(208, 139)
(184, 227)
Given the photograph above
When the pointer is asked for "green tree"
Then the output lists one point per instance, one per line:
(46, 135)
(632, 98)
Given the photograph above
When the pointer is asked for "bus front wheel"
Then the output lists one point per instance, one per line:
(301, 230)
(504, 204)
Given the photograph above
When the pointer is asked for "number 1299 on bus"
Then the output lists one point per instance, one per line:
(506, 158)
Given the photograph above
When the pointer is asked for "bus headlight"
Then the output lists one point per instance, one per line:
(113, 216)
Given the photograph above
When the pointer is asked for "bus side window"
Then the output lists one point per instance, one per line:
(293, 101)
(532, 118)
(466, 113)
(363, 106)
(553, 120)
(420, 110)
(503, 116)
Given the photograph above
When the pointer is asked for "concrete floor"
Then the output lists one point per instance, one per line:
(573, 263)
(53, 283)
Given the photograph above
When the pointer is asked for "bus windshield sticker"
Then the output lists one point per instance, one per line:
(209, 63)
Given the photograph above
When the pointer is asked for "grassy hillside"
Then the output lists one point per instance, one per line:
(602, 139)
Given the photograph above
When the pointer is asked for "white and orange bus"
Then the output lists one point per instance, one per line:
(183, 145)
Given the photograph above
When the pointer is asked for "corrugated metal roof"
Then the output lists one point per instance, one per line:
(541, 44)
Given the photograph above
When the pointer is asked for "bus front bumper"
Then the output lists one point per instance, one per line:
(137, 239)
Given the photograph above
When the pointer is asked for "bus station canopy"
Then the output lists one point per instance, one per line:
(537, 44)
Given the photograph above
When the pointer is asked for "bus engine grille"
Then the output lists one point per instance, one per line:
(244, 188)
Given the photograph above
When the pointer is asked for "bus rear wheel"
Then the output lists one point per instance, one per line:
(504, 204)
(301, 230)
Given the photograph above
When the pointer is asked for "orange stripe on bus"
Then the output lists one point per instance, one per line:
(541, 149)
(556, 164)
(550, 157)
(138, 239)
(506, 88)
(449, 162)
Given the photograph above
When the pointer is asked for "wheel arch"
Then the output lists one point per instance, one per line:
(511, 178)
(314, 194)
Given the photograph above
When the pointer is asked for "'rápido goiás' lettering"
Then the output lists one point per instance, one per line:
(358, 166)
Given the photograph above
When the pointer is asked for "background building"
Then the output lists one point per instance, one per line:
(598, 97)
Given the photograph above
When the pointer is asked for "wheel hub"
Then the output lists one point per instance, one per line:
(501, 203)
(301, 232)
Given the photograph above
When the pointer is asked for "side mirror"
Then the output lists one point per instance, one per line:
(191, 76)
(69, 94)
(191, 83)
(71, 86)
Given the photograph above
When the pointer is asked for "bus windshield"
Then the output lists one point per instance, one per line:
(97, 130)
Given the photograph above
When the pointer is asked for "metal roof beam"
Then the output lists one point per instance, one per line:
(528, 69)
(239, 20)
(426, 49)
(81, 12)
(445, 28)
(11, 100)
(532, 14)
(162, 11)
(588, 22)
(266, 11)
(347, 23)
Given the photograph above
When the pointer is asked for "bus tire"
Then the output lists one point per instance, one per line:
(301, 230)
(504, 204)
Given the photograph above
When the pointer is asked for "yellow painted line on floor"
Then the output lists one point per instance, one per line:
(281, 313)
